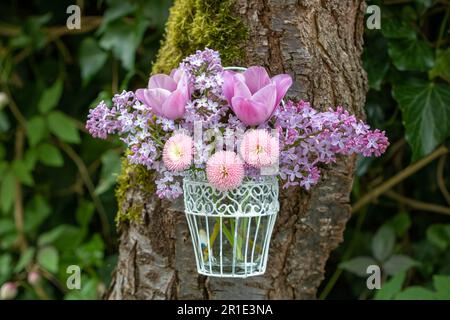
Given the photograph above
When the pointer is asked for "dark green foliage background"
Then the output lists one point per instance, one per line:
(62, 181)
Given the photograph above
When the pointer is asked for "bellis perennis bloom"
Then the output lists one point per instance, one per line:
(259, 148)
(157, 123)
(178, 152)
(252, 95)
(167, 96)
(225, 170)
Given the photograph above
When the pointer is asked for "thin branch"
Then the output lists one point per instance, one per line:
(440, 178)
(84, 173)
(18, 206)
(416, 204)
(399, 177)
(15, 109)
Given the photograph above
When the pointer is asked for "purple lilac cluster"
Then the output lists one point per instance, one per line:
(309, 137)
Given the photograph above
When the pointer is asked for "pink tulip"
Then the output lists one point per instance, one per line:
(253, 95)
(166, 95)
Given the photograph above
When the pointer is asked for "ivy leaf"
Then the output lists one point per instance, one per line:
(383, 243)
(63, 127)
(442, 66)
(123, 40)
(399, 263)
(50, 97)
(92, 59)
(411, 54)
(390, 288)
(358, 265)
(48, 258)
(50, 155)
(426, 109)
(36, 130)
(117, 9)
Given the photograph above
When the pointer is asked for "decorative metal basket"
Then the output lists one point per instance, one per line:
(231, 230)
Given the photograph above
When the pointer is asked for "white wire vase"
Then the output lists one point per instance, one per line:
(231, 230)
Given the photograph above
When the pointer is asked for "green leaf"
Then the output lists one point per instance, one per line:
(92, 59)
(411, 54)
(426, 109)
(7, 191)
(48, 258)
(439, 235)
(22, 173)
(50, 97)
(91, 253)
(358, 265)
(88, 291)
(390, 288)
(416, 293)
(5, 267)
(63, 237)
(63, 127)
(401, 223)
(394, 27)
(6, 226)
(383, 243)
(111, 164)
(36, 211)
(116, 10)
(30, 158)
(36, 130)
(399, 263)
(4, 122)
(123, 40)
(442, 66)
(84, 212)
(25, 258)
(442, 285)
(50, 155)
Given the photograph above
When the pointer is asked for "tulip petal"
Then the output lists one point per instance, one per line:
(266, 97)
(228, 85)
(249, 112)
(175, 105)
(162, 81)
(283, 82)
(240, 89)
(140, 95)
(155, 98)
(256, 77)
(176, 74)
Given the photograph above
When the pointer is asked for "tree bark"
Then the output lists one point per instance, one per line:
(319, 43)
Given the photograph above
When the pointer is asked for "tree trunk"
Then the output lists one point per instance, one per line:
(319, 43)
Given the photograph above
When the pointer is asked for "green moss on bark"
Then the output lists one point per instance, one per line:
(196, 24)
(192, 25)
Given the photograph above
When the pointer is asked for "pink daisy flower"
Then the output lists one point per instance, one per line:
(178, 152)
(259, 148)
(225, 170)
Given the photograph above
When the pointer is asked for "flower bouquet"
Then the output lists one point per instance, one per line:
(225, 139)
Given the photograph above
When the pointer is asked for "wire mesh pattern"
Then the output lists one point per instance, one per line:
(231, 230)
